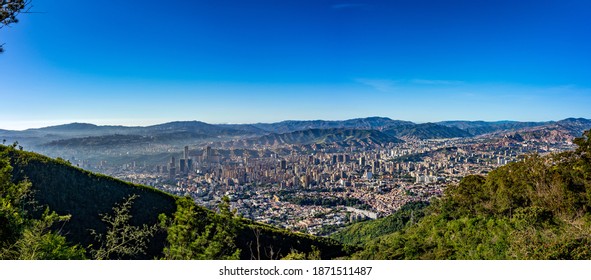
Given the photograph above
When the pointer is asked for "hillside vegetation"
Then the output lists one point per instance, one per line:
(360, 233)
(539, 208)
(81, 215)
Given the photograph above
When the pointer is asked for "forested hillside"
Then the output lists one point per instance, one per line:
(539, 208)
(86, 215)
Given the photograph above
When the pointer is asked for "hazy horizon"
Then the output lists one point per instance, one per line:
(42, 124)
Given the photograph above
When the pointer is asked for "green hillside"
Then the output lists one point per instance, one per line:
(86, 196)
(359, 233)
(539, 208)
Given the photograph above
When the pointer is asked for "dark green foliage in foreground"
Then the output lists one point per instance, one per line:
(122, 240)
(85, 196)
(260, 241)
(535, 209)
(363, 232)
(202, 235)
(22, 236)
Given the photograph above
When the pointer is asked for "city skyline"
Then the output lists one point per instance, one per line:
(263, 61)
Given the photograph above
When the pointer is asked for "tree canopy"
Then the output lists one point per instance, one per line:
(9, 10)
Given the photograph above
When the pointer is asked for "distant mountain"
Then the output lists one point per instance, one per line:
(195, 127)
(426, 131)
(70, 127)
(182, 126)
(481, 127)
(555, 131)
(575, 126)
(246, 128)
(80, 129)
(378, 123)
(126, 140)
(324, 136)
(195, 132)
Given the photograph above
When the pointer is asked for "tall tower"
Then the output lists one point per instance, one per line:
(182, 166)
(186, 153)
(207, 154)
(283, 164)
(172, 168)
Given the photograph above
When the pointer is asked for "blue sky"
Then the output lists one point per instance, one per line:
(220, 61)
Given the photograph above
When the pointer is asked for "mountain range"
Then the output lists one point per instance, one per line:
(361, 131)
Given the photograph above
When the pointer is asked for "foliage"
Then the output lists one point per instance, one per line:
(122, 240)
(9, 9)
(22, 236)
(539, 208)
(295, 255)
(190, 236)
(362, 232)
(261, 241)
(84, 196)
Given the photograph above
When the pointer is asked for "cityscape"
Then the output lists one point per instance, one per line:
(322, 130)
(320, 188)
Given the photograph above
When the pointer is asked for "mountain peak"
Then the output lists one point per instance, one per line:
(68, 127)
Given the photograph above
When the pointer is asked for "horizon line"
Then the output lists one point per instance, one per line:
(100, 123)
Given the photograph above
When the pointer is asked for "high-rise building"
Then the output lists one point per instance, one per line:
(172, 172)
(189, 164)
(172, 168)
(283, 164)
(182, 166)
(186, 153)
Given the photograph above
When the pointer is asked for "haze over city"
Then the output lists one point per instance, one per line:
(145, 62)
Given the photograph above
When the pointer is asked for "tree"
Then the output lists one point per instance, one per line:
(38, 242)
(122, 240)
(22, 236)
(9, 10)
(295, 255)
(195, 234)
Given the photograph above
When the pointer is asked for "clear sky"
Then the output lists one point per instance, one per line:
(243, 61)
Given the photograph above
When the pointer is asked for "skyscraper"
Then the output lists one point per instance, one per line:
(189, 165)
(182, 166)
(283, 164)
(172, 168)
